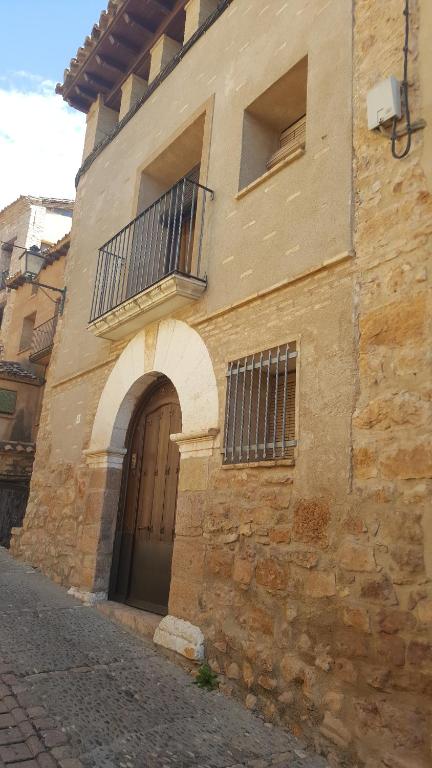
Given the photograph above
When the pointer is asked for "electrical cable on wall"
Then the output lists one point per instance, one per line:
(409, 131)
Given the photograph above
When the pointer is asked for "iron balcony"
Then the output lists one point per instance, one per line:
(162, 242)
(43, 339)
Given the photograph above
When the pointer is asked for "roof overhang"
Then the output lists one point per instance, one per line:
(118, 46)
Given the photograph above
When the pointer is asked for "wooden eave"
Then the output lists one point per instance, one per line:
(118, 46)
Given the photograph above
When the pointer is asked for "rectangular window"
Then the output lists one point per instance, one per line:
(274, 126)
(7, 401)
(260, 407)
(27, 331)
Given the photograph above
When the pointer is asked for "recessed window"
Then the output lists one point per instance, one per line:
(7, 401)
(260, 406)
(274, 125)
(27, 331)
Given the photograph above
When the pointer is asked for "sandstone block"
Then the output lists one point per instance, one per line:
(251, 701)
(419, 652)
(190, 513)
(394, 324)
(356, 557)
(379, 591)
(319, 584)
(188, 558)
(269, 683)
(365, 463)
(305, 558)
(280, 536)
(393, 621)
(193, 475)
(413, 462)
(256, 619)
(243, 571)
(248, 674)
(292, 669)
(271, 575)
(180, 636)
(424, 611)
(335, 730)
(233, 671)
(391, 650)
(219, 562)
(311, 520)
(333, 700)
(356, 617)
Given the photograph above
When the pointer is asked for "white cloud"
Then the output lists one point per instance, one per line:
(41, 139)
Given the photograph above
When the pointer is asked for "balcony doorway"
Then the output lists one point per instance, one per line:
(143, 548)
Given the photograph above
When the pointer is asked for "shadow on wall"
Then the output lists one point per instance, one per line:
(22, 427)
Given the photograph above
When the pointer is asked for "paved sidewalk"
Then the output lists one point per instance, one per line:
(77, 690)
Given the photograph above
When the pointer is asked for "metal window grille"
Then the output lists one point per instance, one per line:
(7, 401)
(260, 407)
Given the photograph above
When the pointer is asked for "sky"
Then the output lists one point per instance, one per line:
(41, 137)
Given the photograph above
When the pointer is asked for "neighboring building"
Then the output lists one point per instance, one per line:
(28, 221)
(32, 315)
(235, 427)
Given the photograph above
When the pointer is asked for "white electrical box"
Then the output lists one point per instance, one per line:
(384, 102)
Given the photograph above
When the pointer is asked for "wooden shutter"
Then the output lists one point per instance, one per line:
(291, 139)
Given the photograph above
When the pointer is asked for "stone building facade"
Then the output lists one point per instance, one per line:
(30, 318)
(301, 558)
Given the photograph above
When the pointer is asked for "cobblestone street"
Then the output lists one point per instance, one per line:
(77, 690)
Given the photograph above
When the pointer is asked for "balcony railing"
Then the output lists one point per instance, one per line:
(43, 338)
(166, 239)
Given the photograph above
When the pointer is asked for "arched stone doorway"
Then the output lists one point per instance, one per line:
(144, 540)
(174, 350)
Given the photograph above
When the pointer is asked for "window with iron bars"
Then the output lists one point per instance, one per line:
(260, 407)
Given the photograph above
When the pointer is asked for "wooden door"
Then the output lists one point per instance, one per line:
(146, 535)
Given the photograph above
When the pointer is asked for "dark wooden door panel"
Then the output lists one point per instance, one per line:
(144, 542)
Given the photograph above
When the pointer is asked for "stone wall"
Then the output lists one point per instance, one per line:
(390, 564)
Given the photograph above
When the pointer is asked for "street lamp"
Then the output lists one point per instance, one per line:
(32, 261)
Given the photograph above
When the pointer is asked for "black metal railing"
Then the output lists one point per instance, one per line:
(165, 239)
(43, 338)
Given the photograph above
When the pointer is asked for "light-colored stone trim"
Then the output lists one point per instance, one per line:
(266, 176)
(180, 636)
(177, 351)
(161, 54)
(88, 598)
(105, 458)
(334, 261)
(164, 298)
(197, 444)
(132, 90)
(197, 11)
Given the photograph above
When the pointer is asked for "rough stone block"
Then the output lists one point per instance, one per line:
(180, 636)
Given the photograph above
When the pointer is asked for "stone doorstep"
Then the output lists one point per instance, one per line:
(170, 633)
(142, 623)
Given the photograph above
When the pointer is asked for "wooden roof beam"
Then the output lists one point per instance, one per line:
(122, 42)
(101, 85)
(107, 63)
(136, 22)
(139, 60)
(86, 93)
(159, 7)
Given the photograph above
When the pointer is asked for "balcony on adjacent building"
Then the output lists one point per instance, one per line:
(43, 340)
(153, 266)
